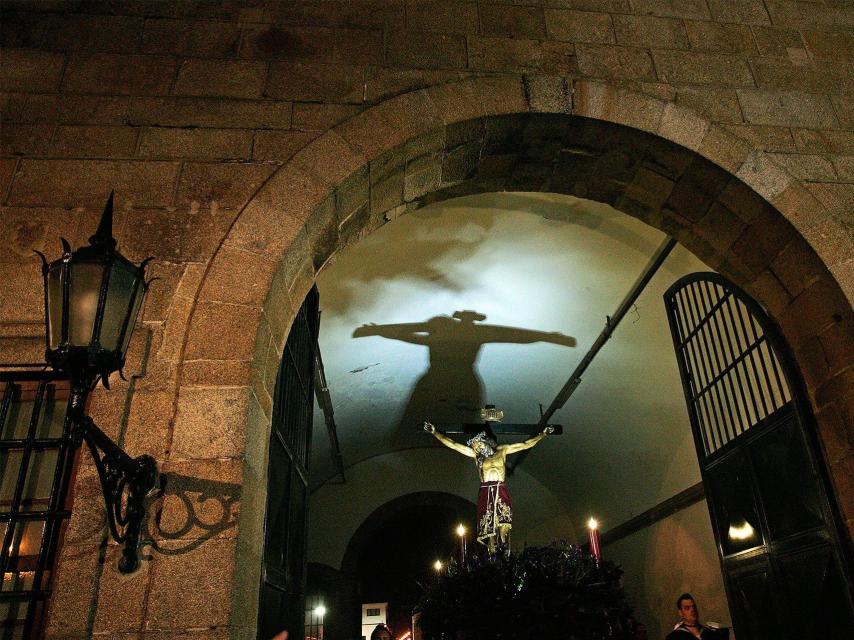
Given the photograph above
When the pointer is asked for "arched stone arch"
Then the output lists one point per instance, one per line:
(726, 201)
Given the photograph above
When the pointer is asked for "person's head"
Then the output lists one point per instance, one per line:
(483, 445)
(687, 609)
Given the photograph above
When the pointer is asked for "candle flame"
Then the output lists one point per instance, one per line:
(593, 523)
(438, 565)
(461, 530)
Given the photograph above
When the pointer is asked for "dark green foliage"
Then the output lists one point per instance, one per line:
(544, 592)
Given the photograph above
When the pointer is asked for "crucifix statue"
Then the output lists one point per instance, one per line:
(494, 506)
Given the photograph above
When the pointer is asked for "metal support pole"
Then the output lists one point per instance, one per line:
(611, 323)
(324, 399)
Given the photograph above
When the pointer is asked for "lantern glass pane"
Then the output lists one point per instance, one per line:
(83, 303)
(54, 306)
(119, 297)
(139, 294)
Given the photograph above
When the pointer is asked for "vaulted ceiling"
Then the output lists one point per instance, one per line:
(494, 299)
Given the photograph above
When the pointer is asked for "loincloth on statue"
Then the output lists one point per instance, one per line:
(494, 509)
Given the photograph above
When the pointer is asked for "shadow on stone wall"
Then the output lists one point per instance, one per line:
(188, 511)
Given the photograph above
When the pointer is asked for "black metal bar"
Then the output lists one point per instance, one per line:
(324, 399)
(697, 430)
(700, 324)
(697, 375)
(42, 374)
(720, 355)
(65, 284)
(106, 274)
(39, 444)
(47, 521)
(8, 393)
(785, 395)
(32, 515)
(751, 407)
(60, 485)
(22, 478)
(707, 365)
(753, 383)
(743, 421)
(771, 397)
(685, 358)
(738, 360)
(719, 366)
(757, 377)
(128, 323)
(682, 500)
(611, 324)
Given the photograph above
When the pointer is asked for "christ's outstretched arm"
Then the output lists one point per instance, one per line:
(527, 444)
(445, 440)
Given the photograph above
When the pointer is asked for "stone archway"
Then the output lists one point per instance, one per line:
(726, 202)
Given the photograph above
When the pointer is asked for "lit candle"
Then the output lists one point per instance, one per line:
(595, 546)
(461, 532)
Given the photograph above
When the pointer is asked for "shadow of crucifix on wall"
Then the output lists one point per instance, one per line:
(451, 390)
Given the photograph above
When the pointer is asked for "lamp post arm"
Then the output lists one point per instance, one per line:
(125, 482)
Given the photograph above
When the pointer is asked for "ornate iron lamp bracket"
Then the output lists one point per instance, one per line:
(125, 482)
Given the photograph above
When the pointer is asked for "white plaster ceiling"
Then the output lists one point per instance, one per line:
(540, 267)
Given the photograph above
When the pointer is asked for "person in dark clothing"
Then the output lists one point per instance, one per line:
(689, 623)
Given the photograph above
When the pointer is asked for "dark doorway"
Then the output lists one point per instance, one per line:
(392, 553)
(284, 563)
(783, 554)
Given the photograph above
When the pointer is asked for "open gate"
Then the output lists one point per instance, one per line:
(283, 571)
(783, 555)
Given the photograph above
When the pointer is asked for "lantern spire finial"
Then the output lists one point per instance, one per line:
(104, 234)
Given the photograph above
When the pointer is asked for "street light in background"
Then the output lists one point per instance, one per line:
(92, 299)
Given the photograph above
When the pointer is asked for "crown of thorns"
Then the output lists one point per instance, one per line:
(483, 438)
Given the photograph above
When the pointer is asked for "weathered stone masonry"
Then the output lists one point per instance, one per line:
(249, 141)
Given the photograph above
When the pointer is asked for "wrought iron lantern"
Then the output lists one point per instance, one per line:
(92, 299)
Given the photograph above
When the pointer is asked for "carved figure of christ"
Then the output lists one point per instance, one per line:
(494, 506)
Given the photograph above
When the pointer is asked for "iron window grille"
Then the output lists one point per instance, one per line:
(735, 378)
(37, 460)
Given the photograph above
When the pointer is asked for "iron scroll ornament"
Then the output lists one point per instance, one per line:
(125, 483)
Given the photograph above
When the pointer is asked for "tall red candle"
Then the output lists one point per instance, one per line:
(595, 545)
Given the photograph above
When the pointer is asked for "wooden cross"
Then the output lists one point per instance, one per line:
(498, 428)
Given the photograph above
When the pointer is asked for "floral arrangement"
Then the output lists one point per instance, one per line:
(552, 592)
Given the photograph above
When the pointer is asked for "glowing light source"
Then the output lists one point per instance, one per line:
(461, 530)
(438, 565)
(405, 636)
(743, 531)
(320, 610)
(595, 544)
